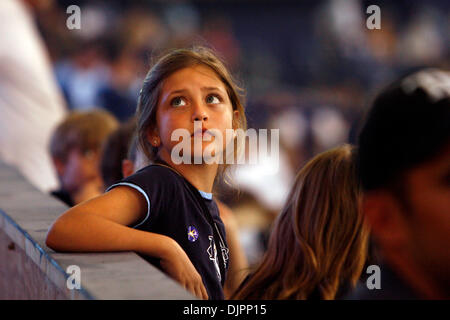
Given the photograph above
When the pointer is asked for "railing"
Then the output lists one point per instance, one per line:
(31, 270)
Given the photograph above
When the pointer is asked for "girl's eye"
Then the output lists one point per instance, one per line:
(178, 102)
(212, 99)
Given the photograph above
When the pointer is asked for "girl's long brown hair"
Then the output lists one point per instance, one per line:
(319, 241)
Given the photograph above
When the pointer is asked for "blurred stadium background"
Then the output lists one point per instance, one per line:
(309, 68)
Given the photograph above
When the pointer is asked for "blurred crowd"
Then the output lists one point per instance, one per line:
(309, 68)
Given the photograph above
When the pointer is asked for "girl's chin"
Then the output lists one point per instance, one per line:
(208, 157)
(207, 152)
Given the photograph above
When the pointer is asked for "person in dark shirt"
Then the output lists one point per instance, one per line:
(175, 218)
(121, 158)
(192, 230)
(404, 165)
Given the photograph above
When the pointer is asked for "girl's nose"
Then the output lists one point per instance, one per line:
(199, 112)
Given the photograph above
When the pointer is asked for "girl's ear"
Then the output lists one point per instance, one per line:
(153, 137)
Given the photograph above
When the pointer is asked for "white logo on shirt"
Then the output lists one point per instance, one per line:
(212, 253)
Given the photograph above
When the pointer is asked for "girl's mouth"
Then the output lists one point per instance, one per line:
(202, 133)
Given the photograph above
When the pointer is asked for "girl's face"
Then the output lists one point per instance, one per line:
(192, 94)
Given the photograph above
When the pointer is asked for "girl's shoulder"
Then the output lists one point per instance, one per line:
(152, 178)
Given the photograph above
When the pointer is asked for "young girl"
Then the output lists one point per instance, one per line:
(166, 211)
(318, 245)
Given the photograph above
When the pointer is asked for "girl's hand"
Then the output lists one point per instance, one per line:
(177, 264)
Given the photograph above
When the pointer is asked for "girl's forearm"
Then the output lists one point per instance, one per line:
(83, 232)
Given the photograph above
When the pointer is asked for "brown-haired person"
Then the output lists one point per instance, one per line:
(166, 211)
(75, 148)
(404, 165)
(318, 245)
(122, 157)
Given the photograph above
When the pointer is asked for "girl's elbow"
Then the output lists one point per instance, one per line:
(54, 240)
(51, 239)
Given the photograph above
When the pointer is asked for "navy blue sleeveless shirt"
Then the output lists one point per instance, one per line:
(173, 211)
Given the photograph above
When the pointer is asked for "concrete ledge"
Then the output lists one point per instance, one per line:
(31, 270)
